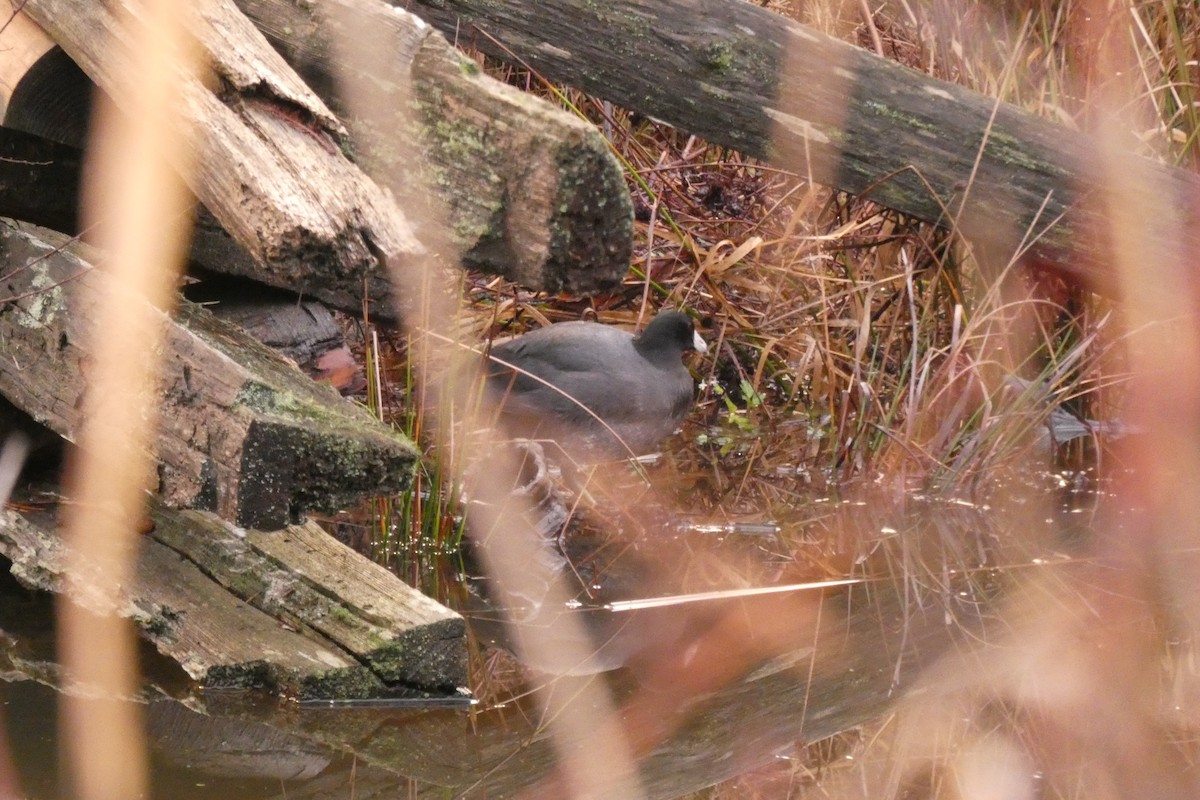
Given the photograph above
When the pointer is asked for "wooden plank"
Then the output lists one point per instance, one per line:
(742, 76)
(294, 612)
(242, 431)
(405, 636)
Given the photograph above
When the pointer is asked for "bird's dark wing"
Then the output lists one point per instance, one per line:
(568, 350)
(539, 393)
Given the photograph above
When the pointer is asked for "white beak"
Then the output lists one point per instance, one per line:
(698, 343)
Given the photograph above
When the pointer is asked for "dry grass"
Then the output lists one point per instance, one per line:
(861, 355)
(857, 348)
(851, 341)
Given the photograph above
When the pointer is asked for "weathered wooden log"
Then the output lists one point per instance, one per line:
(242, 431)
(39, 183)
(351, 628)
(268, 159)
(740, 75)
(306, 578)
(41, 169)
(45, 130)
(51, 98)
(531, 191)
(218, 640)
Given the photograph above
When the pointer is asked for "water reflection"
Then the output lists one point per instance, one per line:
(708, 690)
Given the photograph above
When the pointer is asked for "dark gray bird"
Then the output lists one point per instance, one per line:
(553, 383)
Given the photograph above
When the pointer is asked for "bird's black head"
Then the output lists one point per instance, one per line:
(669, 335)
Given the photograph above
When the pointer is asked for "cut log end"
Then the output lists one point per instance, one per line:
(431, 656)
(287, 469)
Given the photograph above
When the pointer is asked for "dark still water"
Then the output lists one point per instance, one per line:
(711, 689)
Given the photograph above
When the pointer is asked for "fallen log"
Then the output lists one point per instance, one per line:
(531, 191)
(39, 183)
(242, 431)
(268, 159)
(351, 629)
(309, 580)
(742, 76)
(190, 619)
(45, 131)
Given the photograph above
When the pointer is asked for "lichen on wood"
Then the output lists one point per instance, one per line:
(242, 431)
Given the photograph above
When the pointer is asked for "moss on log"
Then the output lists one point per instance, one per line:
(242, 431)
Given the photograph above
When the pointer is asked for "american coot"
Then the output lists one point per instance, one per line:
(637, 385)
